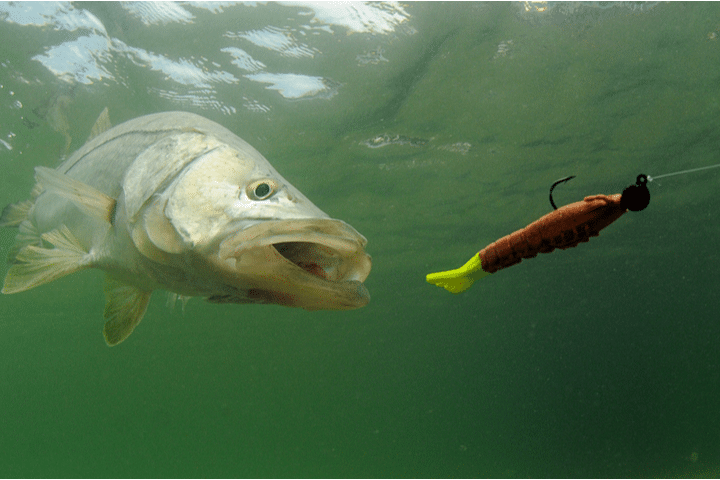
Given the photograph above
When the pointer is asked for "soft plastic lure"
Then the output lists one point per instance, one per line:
(565, 227)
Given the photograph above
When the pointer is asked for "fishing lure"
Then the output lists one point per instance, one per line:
(563, 228)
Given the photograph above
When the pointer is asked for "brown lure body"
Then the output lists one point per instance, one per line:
(563, 228)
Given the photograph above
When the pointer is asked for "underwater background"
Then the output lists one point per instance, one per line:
(433, 129)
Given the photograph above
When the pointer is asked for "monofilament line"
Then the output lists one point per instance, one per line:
(650, 179)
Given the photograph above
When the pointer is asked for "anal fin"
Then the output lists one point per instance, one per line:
(173, 297)
(36, 265)
(125, 307)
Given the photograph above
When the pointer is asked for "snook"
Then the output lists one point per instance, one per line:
(175, 201)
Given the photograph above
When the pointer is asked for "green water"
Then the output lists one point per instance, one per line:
(600, 361)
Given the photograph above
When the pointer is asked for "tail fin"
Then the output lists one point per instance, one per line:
(37, 265)
(14, 214)
(460, 279)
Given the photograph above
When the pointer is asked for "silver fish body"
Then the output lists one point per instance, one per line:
(177, 202)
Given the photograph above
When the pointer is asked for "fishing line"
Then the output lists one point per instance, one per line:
(650, 179)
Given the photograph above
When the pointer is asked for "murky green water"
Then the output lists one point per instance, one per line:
(433, 129)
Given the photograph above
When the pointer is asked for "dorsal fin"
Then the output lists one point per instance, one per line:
(91, 201)
(102, 124)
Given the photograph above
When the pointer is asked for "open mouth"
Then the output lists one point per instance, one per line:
(307, 256)
(316, 264)
(322, 261)
(328, 249)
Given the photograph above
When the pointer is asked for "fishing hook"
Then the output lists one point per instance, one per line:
(554, 185)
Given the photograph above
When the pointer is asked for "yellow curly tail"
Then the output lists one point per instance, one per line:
(460, 279)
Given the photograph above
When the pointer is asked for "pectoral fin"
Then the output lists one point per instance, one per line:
(90, 200)
(36, 265)
(125, 307)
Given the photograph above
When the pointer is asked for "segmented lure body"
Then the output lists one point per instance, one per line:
(563, 228)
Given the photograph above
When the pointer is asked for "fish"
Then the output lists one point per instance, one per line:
(174, 201)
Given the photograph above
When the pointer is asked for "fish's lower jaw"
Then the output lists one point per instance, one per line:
(348, 295)
(307, 292)
(353, 295)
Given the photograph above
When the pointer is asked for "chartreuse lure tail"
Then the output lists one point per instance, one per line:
(460, 279)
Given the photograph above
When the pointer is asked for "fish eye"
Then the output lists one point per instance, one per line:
(261, 189)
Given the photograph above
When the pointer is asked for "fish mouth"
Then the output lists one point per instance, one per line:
(317, 259)
(316, 264)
